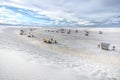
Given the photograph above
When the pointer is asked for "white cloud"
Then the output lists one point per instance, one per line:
(48, 8)
(10, 17)
(82, 12)
(114, 20)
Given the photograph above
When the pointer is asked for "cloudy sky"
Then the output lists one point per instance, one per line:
(60, 12)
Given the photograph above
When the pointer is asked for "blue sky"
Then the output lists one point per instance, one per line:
(59, 13)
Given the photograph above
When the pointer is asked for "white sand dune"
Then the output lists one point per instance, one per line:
(81, 46)
(74, 57)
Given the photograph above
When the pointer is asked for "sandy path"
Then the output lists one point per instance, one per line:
(24, 58)
(97, 55)
(22, 61)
